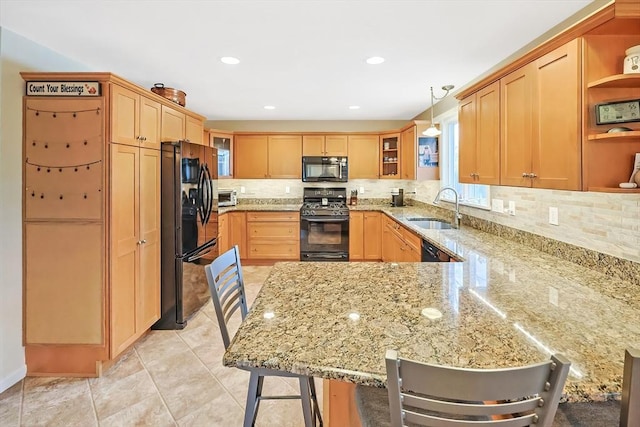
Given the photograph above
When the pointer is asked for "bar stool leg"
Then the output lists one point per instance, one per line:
(306, 402)
(314, 400)
(630, 405)
(251, 408)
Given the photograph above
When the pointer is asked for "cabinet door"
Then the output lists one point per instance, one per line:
(223, 233)
(148, 291)
(408, 148)
(467, 139)
(250, 156)
(125, 242)
(193, 131)
(372, 231)
(125, 107)
(390, 149)
(388, 239)
(238, 231)
(363, 156)
(488, 135)
(224, 144)
(150, 119)
(173, 124)
(356, 236)
(556, 152)
(516, 111)
(313, 145)
(335, 145)
(285, 156)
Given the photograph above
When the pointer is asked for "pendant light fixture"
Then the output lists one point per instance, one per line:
(432, 130)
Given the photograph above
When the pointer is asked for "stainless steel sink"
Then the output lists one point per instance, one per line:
(430, 223)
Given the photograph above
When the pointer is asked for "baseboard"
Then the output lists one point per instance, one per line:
(13, 378)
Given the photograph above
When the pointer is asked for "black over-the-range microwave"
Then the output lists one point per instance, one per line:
(324, 169)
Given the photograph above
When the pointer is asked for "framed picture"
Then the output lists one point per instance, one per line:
(427, 151)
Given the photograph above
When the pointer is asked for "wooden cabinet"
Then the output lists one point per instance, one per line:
(398, 243)
(273, 235)
(135, 119)
(100, 207)
(194, 130)
(557, 121)
(540, 117)
(173, 124)
(135, 243)
(389, 155)
(223, 142)
(365, 236)
(238, 232)
(608, 157)
(223, 233)
(408, 148)
(267, 156)
(364, 156)
(324, 145)
(479, 141)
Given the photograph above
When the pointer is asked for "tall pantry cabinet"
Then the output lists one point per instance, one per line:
(91, 222)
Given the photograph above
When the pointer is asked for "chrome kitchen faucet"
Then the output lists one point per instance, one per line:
(456, 219)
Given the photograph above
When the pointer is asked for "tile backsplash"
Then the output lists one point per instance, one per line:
(603, 222)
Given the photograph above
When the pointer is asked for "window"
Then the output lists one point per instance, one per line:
(470, 194)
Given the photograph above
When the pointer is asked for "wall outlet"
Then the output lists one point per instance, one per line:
(553, 216)
(361, 190)
(242, 190)
(497, 205)
(512, 208)
(287, 189)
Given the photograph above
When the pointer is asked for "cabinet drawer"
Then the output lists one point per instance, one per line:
(274, 230)
(411, 239)
(280, 251)
(273, 216)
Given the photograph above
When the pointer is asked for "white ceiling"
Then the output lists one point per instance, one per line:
(305, 57)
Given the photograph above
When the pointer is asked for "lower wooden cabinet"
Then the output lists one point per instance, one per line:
(365, 236)
(237, 225)
(273, 235)
(398, 243)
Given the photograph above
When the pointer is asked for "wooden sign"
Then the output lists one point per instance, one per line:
(63, 88)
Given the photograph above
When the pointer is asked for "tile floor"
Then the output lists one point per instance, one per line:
(168, 378)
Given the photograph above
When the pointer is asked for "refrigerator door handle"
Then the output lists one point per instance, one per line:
(201, 251)
(209, 187)
(200, 200)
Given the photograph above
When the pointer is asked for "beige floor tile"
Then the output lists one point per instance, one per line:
(111, 397)
(10, 402)
(223, 411)
(127, 365)
(148, 412)
(200, 329)
(185, 384)
(158, 345)
(57, 402)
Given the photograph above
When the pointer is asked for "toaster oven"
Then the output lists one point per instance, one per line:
(227, 198)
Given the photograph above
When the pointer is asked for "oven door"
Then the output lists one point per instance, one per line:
(324, 239)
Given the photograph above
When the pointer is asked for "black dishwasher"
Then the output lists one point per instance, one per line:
(431, 253)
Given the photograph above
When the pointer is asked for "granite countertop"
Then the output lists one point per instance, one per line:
(504, 305)
(260, 207)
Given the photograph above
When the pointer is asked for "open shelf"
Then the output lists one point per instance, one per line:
(614, 190)
(618, 80)
(614, 135)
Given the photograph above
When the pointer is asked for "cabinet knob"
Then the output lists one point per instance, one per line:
(525, 175)
(533, 175)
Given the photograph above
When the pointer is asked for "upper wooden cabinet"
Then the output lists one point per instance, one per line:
(364, 156)
(136, 119)
(479, 121)
(324, 145)
(268, 156)
(390, 153)
(540, 117)
(408, 148)
(178, 126)
(223, 142)
(193, 131)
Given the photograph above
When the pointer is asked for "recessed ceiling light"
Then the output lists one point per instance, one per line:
(269, 107)
(354, 107)
(375, 60)
(230, 60)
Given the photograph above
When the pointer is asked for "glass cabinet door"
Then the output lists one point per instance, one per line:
(224, 145)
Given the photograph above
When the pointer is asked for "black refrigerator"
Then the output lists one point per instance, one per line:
(189, 218)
